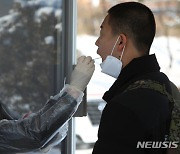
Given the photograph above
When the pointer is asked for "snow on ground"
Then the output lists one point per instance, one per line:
(101, 82)
(160, 48)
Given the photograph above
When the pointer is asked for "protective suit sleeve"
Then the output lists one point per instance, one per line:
(38, 129)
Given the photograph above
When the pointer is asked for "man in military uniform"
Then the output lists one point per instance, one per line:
(140, 114)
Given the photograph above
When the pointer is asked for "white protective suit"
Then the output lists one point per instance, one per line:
(47, 127)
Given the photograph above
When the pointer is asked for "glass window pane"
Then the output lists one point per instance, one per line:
(30, 41)
(28, 49)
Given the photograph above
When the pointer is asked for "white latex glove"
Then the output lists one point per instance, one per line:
(82, 73)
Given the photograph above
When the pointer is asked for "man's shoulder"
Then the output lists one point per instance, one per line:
(153, 78)
(143, 94)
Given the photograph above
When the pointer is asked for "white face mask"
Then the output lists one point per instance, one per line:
(111, 65)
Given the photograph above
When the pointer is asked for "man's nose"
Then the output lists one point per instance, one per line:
(97, 42)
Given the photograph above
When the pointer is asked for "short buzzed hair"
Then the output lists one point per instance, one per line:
(136, 21)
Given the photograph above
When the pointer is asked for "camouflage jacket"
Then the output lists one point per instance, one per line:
(174, 104)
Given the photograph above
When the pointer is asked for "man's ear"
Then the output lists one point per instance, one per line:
(122, 42)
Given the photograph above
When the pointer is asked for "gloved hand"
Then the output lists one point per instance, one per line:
(82, 73)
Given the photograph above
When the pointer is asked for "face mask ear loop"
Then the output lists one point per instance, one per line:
(122, 53)
(114, 45)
